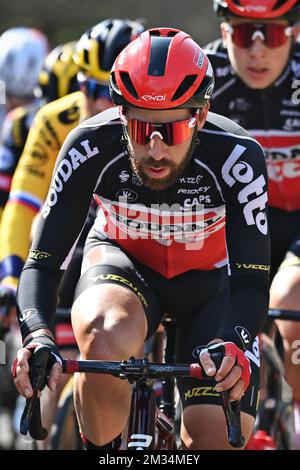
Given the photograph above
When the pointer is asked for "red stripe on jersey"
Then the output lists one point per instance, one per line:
(23, 203)
(273, 140)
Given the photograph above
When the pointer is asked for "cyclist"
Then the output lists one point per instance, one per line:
(22, 53)
(58, 76)
(94, 55)
(163, 171)
(257, 68)
(56, 79)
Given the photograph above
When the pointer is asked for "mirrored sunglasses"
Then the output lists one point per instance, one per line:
(272, 34)
(95, 90)
(172, 133)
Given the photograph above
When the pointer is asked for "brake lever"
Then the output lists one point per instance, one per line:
(31, 420)
(232, 411)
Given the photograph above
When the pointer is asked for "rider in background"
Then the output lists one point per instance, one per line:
(57, 78)
(257, 70)
(22, 53)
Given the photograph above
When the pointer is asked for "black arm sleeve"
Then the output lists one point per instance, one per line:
(244, 179)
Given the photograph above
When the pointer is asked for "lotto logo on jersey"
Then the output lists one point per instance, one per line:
(253, 194)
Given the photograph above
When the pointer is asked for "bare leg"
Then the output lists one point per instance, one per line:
(285, 294)
(109, 323)
(204, 428)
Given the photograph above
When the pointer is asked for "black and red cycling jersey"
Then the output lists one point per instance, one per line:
(271, 115)
(213, 215)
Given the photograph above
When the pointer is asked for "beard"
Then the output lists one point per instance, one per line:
(155, 183)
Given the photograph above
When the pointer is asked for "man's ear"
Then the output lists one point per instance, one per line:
(224, 33)
(296, 31)
(203, 115)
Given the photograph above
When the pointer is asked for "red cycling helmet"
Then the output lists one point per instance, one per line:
(259, 9)
(162, 69)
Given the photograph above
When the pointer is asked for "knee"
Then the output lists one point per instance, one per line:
(109, 323)
(104, 342)
(285, 289)
(290, 332)
(110, 336)
(203, 427)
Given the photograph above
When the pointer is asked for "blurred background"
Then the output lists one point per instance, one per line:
(64, 20)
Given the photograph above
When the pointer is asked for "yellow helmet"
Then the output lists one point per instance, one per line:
(98, 47)
(58, 76)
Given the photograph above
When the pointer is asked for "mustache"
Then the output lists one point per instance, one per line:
(150, 162)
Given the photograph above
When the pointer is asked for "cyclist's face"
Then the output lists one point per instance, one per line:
(257, 65)
(97, 97)
(94, 107)
(157, 164)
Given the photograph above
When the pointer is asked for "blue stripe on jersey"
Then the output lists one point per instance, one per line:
(25, 198)
(11, 266)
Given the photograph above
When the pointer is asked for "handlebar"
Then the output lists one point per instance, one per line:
(131, 370)
(282, 314)
(134, 369)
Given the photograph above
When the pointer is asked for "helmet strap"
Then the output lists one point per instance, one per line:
(124, 139)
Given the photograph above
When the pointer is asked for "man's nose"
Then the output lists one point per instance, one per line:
(258, 47)
(157, 148)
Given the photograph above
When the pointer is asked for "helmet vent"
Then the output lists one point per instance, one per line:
(171, 34)
(186, 83)
(158, 56)
(204, 84)
(128, 84)
(154, 32)
(86, 56)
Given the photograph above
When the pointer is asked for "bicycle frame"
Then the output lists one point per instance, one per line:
(146, 420)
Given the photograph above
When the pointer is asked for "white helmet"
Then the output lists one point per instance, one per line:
(22, 53)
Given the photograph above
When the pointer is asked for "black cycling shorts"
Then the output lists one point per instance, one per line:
(198, 300)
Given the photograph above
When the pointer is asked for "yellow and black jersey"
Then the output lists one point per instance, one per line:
(32, 178)
(12, 141)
